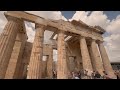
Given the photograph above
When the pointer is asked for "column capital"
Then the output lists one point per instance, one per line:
(61, 31)
(39, 26)
(99, 42)
(92, 40)
(10, 18)
(81, 37)
(19, 21)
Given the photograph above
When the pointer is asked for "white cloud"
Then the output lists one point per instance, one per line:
(56, 15)
(30, 31)
(80, 15)
(114, 26)
(113, 46)
(95, 18)
(112, 41)
(3, 21)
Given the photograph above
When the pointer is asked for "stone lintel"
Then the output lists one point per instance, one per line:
(59, 24)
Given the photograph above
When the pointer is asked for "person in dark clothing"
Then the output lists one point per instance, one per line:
(54, 75)
(93, 74)
(116, 73)
(79, 75)
(105, 76)
(97, 75)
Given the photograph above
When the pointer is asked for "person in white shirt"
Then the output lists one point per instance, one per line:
(89, 74)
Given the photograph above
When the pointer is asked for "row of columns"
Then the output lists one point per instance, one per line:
(7, 40)
(99, 57)
(96, 56)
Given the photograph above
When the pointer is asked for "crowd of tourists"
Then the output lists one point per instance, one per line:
(85, 74)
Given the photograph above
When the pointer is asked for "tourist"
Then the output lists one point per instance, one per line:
(69, 75)
(89, 74)
(82, 73)
(76, 76)
(85, 74)
(73, 75)
(93, 75)
(105, 76)
(116, 73)
(97, 75)
(54, 74)
(79, 75)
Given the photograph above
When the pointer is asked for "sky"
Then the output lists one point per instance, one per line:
(109, 20)
(110, 14)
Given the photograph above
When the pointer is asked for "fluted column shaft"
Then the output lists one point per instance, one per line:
(7, 41)
(92, 58)
(97, 60)
(106, 63)
(61, 63)
(16, 56)
(85, 55)
(50, 63)
(35, 65)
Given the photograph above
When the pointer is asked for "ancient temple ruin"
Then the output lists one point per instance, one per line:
(79, 46)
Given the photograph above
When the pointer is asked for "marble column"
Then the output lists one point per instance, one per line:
(85, 54)
(61, 62)
(106, 63)
(35, 65)
(7, 41)
(50, 63)
(96, 56)
(25, 60)
(16, 56)
(44, 66)
(91, 57)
